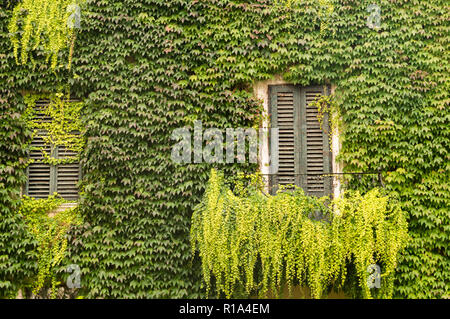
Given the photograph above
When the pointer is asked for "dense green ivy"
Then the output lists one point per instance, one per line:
(15, 242)
(144, 68)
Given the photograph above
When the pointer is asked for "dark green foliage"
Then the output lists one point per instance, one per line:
(395, 108)
(17, 248)
(15, 243)
(144, 68)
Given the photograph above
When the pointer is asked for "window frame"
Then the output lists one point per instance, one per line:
(53, 178)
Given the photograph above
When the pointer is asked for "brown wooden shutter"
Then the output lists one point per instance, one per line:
(304, 152)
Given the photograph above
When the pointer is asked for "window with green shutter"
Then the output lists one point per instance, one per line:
(44, 179)
(303, 145)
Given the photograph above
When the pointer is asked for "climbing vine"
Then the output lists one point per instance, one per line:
(50, 233)
(43, 24)
(327, 106)
(63, 126)
(233, 231)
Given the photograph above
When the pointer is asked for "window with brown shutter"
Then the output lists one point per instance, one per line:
(45, 179)
(304, 150)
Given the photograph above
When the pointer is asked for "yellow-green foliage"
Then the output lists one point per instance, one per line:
(50, 233)
(232, 231)
(64, 129)
(41, 23)
(326, 104)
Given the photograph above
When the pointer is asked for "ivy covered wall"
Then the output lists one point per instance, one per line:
(144, 68)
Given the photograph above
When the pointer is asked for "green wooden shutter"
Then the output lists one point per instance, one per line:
(284, 107)
(304, 152)
(316, 155)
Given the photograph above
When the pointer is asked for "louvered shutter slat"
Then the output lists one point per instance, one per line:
(284, 108)
(38, 172)
(67, 175)
(317, 146)
(314, 145)
(39, 114)
(285, 124)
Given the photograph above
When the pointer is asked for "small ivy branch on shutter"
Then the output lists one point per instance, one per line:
(328, 104)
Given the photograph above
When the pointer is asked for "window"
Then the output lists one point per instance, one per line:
(45, 179)
(304, 150)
